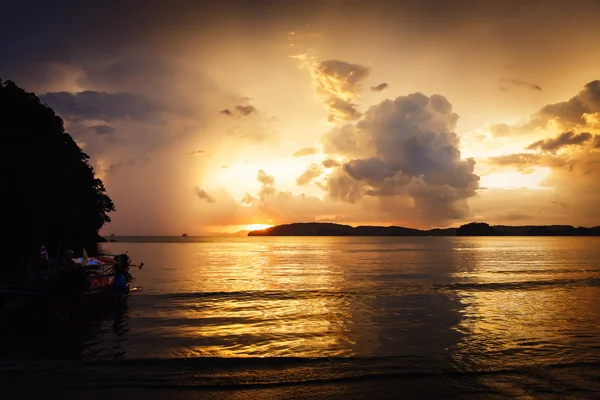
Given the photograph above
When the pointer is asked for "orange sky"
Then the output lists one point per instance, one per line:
(213, 117)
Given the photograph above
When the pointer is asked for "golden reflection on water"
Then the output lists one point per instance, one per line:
(472, 302)
(523, 298)
(258, 319)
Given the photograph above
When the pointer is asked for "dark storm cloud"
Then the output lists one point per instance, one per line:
(37, 33)
(379, 87)
(102, 129)
(202, 195)
(225, 111)
(103, 106)
(520, 83)
(564, 139)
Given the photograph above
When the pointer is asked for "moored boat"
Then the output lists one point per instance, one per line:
(72, 284)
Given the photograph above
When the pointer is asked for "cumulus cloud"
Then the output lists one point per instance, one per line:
(202, 195)
(565, 139)
(405, 147)
(379, 87)
(340, 82)
(312, 172)
(306, 151)
(519, 83)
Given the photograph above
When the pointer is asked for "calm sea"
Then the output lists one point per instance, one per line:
(327, 317)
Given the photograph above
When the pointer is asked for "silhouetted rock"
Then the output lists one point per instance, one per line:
(184, 235)
(49, 189)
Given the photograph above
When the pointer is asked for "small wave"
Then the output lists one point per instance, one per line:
(243, 373)
(261, 294)
(524, 285)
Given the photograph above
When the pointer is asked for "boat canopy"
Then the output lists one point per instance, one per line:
(100, 260)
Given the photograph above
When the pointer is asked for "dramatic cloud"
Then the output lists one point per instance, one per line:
(405, 147)
(520, 83)
(552, 145)
(579, 112)
(340, 82)
(306, 151)
(571, 113)
(314, 171)
(379, 87)
(202, 195)
(172, 87)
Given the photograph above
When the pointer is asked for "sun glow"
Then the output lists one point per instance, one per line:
(256, 227)
(515, 179)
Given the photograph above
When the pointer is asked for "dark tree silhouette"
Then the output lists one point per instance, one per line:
(477, 229)
(49, 193)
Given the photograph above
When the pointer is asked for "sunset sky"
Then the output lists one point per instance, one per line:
(214, 116)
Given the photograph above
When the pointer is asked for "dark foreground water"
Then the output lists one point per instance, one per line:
(330, 318)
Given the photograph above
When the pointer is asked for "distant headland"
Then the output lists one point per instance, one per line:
(470, 229)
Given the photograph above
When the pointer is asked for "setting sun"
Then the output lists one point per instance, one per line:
(255, 227)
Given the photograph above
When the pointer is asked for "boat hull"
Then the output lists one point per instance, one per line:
(27, 304)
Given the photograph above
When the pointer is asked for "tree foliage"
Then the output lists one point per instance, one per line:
(49, 193)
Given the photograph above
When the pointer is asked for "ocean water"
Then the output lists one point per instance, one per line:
(331, 317)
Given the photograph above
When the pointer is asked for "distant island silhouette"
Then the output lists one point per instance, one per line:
(470, 229)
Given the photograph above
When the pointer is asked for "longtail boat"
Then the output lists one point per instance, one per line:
(89, 282)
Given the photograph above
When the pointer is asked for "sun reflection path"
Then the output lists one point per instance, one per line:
(533, 305)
